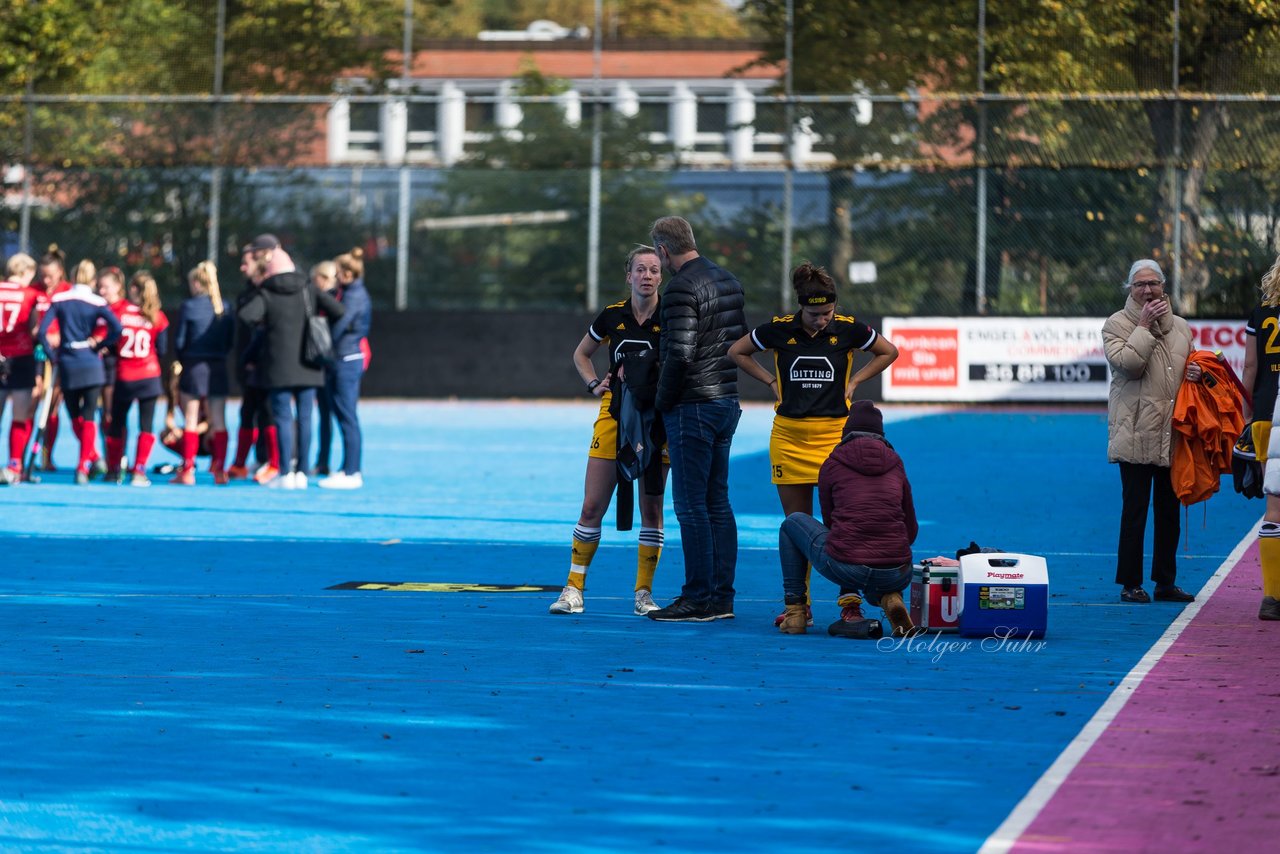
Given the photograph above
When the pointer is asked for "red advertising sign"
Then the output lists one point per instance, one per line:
(928, 357)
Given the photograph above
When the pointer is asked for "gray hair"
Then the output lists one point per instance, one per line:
(1144, 264)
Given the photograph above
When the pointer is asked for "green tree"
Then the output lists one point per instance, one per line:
(1051, 46)
(631, 19)
(137, 173)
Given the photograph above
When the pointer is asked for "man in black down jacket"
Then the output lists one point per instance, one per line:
(283, 300)
(702, 315)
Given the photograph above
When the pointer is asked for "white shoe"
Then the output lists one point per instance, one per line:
(645, 603)
(299, 480)
(341, 480)
(283, 481)
(570, 602)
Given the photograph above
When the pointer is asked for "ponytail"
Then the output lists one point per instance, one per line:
(146, 295)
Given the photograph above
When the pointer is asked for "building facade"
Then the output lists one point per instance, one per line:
(703, 103)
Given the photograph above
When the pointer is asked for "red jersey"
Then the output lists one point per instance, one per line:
(44, 298)
(117, 308)
(137, 346)
(17, 302)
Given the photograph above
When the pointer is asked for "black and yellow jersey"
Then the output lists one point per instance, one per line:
(1264, 326)
(617, 324)
(812, 371)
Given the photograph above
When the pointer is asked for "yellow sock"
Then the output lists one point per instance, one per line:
(1269, 551)
(651, 540)
(585, 543)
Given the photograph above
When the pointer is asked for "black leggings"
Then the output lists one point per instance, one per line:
(82, 402)
(125, 395)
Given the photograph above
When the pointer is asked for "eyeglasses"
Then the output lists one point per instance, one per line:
(1149, 283)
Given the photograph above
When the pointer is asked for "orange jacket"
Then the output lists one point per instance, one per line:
(1207, 420)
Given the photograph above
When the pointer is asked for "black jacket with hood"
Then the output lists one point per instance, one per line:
(702, 315)
(280, 305)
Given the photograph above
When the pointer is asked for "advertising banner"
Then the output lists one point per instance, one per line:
(987, 359)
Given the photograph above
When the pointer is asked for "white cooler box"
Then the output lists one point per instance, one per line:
(1003, 595)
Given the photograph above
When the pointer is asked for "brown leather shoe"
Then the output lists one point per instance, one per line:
(899, 616)
(1172, 593)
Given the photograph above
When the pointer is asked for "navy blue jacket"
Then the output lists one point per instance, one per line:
(354, 323)
(78, 312)
(199, 334)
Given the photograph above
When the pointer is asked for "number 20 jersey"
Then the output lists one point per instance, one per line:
(137, 350)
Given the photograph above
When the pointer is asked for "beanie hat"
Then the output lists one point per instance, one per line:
(864, 418)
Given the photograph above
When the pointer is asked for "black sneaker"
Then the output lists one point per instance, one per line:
(1173, 593)
(856, 629)
(721, 610)
(1270, 609)
(682, 611)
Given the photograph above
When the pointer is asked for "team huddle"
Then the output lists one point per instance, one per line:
(95, 344)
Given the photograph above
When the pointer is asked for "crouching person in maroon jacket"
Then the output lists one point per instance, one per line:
(870, 524)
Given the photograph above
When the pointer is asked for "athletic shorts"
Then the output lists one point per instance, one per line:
(110, 362)
(205, 378)
(1261, 436)
(22, 374)
(604, 437)
(799, 446)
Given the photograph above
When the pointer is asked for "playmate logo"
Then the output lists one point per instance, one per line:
(1007, 576)
(812, 369)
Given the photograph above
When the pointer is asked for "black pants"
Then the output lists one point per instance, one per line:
(255, 414)
(82, 402)
(1138, 481)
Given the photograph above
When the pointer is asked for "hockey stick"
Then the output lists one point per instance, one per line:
(42, 423)
(1235, 380)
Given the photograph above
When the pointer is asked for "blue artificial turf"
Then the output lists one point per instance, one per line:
(178, 674)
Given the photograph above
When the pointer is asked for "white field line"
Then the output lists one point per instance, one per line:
(1008, 833)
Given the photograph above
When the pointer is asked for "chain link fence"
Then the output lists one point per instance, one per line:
(976, 198)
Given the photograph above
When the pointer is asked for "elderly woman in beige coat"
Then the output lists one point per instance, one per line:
(1147, 347)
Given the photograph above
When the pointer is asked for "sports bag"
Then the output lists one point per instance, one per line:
(317, 341)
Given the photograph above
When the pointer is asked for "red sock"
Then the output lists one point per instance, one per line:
(115, 450)
(219, 451)
(19, 433)
(50, 433)
(246, 437)
(273, 442)
(88, 443)
(190, 446)
(145, 442)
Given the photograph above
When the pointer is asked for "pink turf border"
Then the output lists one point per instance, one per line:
(1191, 761)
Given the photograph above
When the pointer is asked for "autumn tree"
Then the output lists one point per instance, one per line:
(1042, 47)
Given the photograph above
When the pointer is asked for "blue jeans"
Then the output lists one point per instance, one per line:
(803, 538)
(342, 382)
(324, 405)
(698, 440)
(282, 400)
